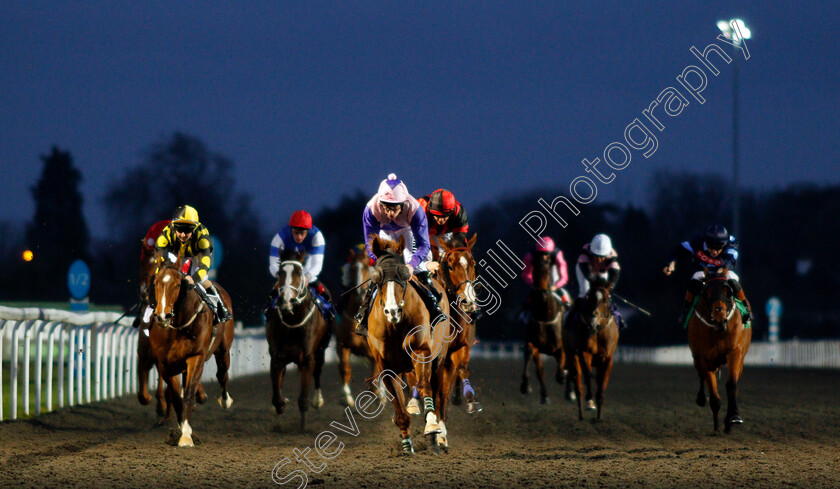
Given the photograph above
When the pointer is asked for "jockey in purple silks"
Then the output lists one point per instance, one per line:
(390, 214)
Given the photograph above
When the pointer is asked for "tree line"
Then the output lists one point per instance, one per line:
(786, 241)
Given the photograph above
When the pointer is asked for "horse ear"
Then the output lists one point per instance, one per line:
(443, 244)
(401, 244)
(471, 242)
(375, 245)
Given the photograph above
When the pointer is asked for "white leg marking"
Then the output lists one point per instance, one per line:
(431, 423)
(348, 396)
(317, 399)
(186, 435)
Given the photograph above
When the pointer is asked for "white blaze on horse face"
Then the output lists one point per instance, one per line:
(392, 312)
(469, 291)
(287, 286)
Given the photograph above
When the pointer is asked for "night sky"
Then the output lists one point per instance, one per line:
(312, 100)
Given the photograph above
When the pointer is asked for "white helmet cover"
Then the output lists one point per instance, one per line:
(601, 245)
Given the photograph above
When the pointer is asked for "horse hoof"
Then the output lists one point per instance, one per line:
(590, 405)
(736, 420)
(144, 400)
(185, 441)
(544, 400)
(413, 407)
(442, 442)
(200, 396)
(701, 400)
(474, 407)
(457, 400)
(318, 400)
(571, 397)
(227, 403)
(525, 388)
(432, 426)
(407, 446)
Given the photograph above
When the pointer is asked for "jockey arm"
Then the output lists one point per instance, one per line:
(314, 261)
(562, 270)
(420, 229)
(277, 247)
(370, 227)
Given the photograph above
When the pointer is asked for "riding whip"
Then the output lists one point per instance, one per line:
(622, 299)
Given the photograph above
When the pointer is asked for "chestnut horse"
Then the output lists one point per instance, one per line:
(182, 337)
(457, 268)
(543, 334)
(297, 333)
(401, 340)
(347, 341)
(717, 336)
(590, 340)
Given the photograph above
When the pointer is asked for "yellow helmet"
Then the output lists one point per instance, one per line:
(185, 215)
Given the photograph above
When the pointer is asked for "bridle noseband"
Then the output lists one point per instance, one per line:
(448, 278)
(728, 301)
(389, 268)
(301, 290)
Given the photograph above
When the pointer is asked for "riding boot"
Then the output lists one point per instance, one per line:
(741, 297)
(271, 303)
(429, 297)
(426, 279)
(689, 301)
(361, 316)
(220, 312)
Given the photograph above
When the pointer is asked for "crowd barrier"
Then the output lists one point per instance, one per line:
(68, 358)
(65, 358)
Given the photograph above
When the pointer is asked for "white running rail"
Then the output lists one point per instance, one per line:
(82, 358)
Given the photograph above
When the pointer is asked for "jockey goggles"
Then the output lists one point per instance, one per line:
(391, 206)
(183, 227)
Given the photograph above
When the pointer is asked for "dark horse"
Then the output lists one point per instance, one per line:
(182, 338)
(590, 340)
(457, 267)
(296, 333)
(543, 334)
(346, 341)
(402, 341)
(717, 336)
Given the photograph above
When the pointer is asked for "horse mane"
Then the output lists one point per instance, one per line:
(381, 246)
(290, 254)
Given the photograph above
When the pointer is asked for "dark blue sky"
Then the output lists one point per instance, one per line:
(312, 100)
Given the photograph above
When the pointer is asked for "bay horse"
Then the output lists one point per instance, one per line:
(717, 336)
(544, 330)
(457, 268)
(297, 333)
(590, 341)
(182, 337)
(347, 341)
(402, 341)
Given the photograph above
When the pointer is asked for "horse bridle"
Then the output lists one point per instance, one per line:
(448, 278)
(301, 293)
(168, 323)
(601, 324)
(389, 265)
(726, 300)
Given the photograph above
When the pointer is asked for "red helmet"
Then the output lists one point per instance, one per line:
(301, 219)
(441, 202)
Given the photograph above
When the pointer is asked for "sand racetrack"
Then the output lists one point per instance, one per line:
(652, 435)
